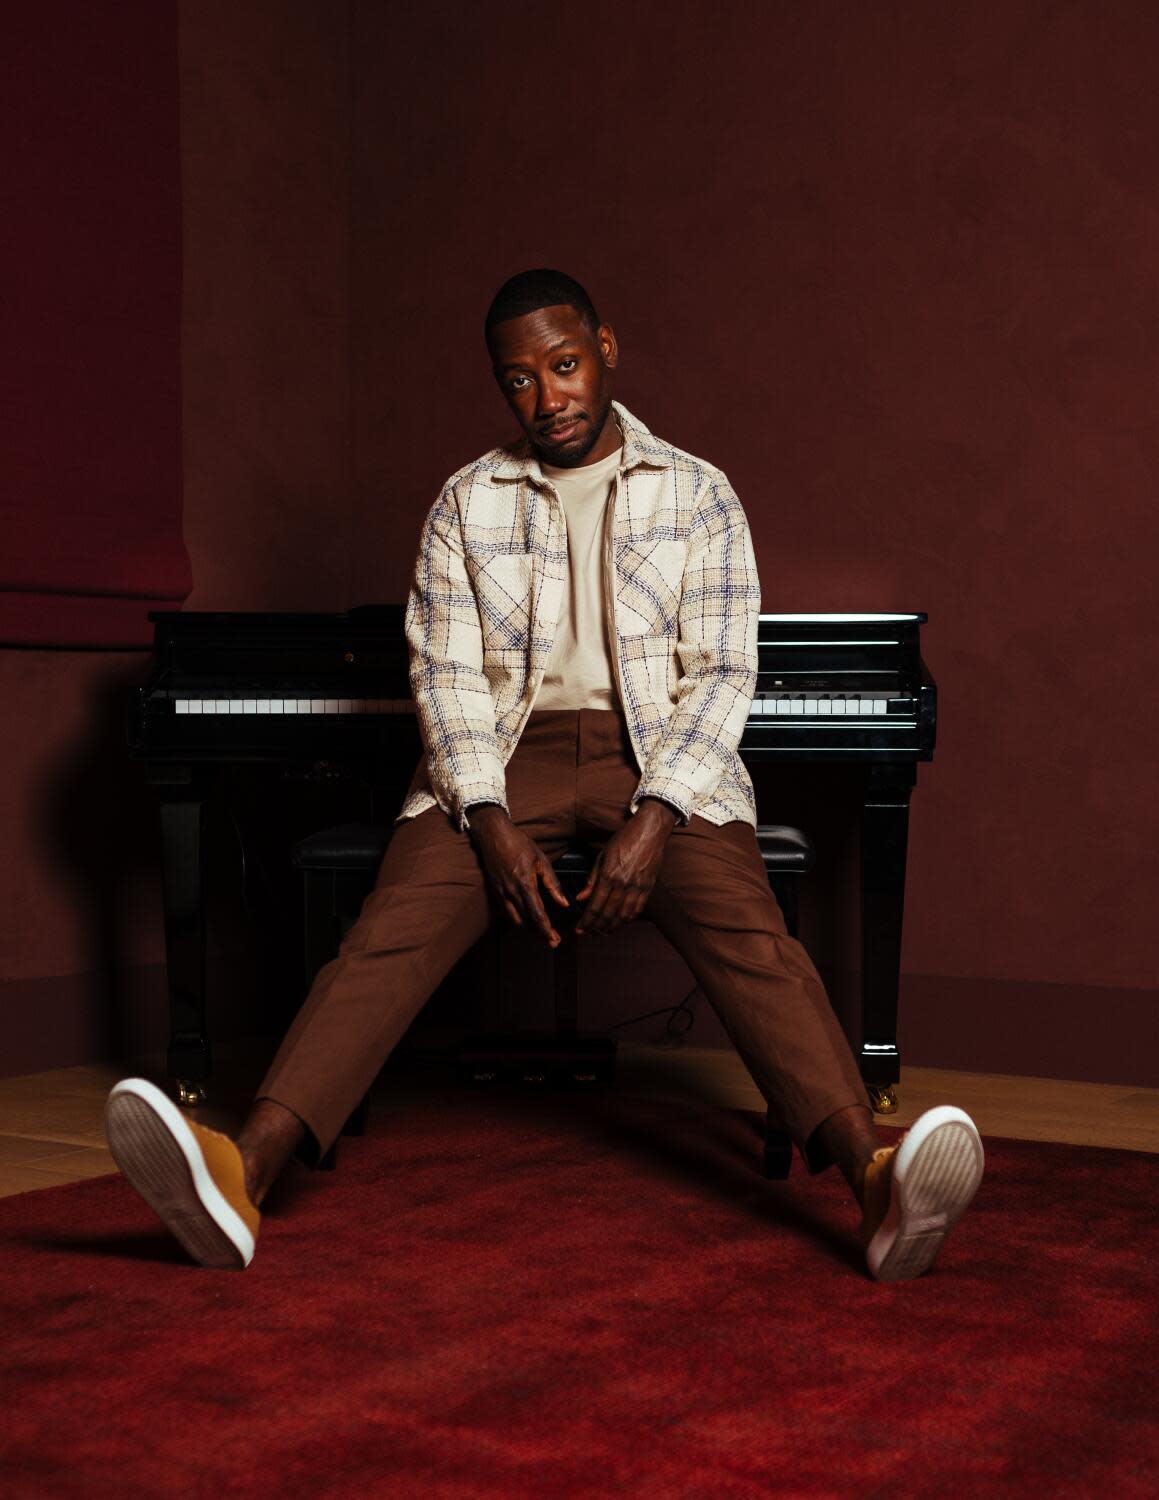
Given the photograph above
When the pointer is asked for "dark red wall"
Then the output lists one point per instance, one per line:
(90, 505)
(90, 266)
(893, 268)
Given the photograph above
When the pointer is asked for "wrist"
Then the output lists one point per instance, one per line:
(663, 812)
(482, 815)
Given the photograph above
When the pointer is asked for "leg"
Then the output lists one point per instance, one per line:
(713, 903)
(428, 906)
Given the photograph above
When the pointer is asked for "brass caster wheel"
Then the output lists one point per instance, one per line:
(884, 1100)
(190, 1095)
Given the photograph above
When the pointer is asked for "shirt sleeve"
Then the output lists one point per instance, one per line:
(717, 646)
(452, 696)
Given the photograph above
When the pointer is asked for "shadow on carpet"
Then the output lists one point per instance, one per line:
(553, 1297)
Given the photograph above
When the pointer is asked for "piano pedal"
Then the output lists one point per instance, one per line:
(884, 1100)
(189, 1095)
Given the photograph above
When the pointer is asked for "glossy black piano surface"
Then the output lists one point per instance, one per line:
(330, 692)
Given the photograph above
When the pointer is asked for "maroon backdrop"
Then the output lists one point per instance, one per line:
(90, 263)
(890, 266)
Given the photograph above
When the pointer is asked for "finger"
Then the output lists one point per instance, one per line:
(593, 879)
(551, 881)
(512, 911)
(610, 914)
(592, 919)
(631, 907)
(537, 914)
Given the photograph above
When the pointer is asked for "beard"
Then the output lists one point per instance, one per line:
(573, 454)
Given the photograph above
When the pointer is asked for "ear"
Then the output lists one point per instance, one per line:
(606, 343)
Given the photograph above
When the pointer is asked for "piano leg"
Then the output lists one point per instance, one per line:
(884, 836)
(183, 889)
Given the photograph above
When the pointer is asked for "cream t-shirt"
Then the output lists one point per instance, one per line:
(579, 671)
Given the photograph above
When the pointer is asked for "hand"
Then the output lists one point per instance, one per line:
(625, 871)
(515, 864)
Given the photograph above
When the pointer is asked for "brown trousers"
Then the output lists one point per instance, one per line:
(572, 776)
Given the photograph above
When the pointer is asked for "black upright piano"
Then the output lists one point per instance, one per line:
(331, 691)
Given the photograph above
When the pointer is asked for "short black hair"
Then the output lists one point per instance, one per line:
(531, 290)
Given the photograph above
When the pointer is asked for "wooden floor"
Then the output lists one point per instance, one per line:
(50, 1123)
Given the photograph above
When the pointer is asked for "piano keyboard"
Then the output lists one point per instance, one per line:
(768, 706)
(293, 705)
(819, 706)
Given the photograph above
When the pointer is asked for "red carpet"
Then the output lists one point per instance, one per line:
(537, 1298)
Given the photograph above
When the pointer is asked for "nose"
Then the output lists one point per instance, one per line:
(551, 398)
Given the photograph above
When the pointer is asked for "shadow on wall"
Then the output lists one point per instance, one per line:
(100, 828)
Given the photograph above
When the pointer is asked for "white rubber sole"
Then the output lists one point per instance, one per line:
(154, 1147)
(936, 1172)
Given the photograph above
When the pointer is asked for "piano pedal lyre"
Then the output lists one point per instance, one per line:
(190, 1095)
(883, 1098)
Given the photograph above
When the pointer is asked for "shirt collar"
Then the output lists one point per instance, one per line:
(641, 449)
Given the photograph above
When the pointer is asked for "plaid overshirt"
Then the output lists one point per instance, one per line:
(683, 597)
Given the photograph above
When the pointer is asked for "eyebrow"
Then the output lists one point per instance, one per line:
(551, 348)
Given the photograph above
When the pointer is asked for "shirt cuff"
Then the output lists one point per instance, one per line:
(464, 820)
(682, 814)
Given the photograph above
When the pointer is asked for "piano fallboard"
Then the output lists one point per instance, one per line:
(239, 687)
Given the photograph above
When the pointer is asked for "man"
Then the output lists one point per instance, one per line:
(582, 629)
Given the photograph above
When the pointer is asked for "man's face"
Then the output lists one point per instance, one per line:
(554, 375)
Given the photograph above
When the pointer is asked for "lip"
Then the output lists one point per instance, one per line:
(562, 433)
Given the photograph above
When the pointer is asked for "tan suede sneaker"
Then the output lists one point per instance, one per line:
(917, 1191)
(191, 1177)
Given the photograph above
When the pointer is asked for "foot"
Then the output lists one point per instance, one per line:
(917, 1191)
(193, 1178)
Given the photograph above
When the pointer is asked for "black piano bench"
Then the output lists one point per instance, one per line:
(338, 868)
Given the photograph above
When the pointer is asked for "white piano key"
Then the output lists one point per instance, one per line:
(289, 705)
(879, 707)
(277, 705)
(220, 705)
(235, 705)
(783, 707)
(797, 706)
(344, 705)
(196, 705)
(865, 706)
(329, 705)
(249, 705)
(263, 705)
(303, 705)
(811, 706)
(838, 705)
(758, 708)
(316, 705)
(181, 705)
(824, 706)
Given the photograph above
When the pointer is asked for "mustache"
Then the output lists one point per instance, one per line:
(566, 422)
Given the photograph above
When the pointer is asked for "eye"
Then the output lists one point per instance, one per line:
(567, 364)
(519, 382)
